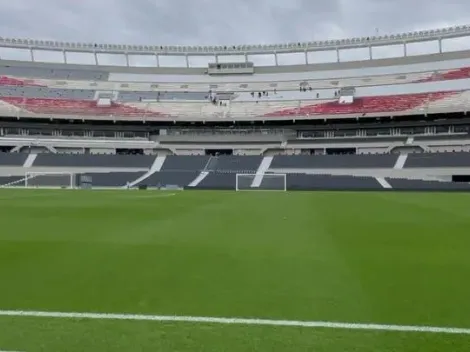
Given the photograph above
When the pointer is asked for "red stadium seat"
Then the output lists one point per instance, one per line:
(461, 73)
(364, 105)
(77, 107)
(8, 81)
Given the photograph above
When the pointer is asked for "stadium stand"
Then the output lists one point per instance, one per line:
(77, 107)
(13, 83)
(366, 105)
(373, 124)
(448, 75)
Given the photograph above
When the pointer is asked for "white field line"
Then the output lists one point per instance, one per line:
(129, 196)
(236, 321)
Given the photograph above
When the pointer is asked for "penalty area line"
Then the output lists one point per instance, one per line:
(237, 321)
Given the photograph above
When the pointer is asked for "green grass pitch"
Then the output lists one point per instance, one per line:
(383, 258)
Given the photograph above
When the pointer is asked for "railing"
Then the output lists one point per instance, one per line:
(223, 131)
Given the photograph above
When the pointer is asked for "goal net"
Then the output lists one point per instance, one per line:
(264, 182)
(49, 180)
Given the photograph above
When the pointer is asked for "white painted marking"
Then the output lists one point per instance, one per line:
(164, 195)
(148, 195)
(383, 182)
(155, 167)
(401, 161)
(262, 168)
(237, 321)
(199, 179)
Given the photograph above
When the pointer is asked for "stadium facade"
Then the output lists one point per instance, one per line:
(376, 123)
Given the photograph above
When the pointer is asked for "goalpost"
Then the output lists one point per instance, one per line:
(261, 182)
(49, 180)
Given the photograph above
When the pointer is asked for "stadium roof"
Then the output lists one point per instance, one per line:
(294, 47)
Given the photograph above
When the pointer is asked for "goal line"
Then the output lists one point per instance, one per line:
(238, 321)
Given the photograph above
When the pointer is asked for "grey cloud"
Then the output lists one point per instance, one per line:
(204, 22)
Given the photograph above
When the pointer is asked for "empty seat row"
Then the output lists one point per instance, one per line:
(12, 159)
(358, 161)
(365, 105)
(449, 75)
(427, 185)
(78, 107)
(94, 160)
(430, 160)
(10, 87)
(48, 73)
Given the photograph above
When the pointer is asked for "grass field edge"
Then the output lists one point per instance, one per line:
(236, 321)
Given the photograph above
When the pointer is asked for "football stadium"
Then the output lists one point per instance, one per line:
(232, 206)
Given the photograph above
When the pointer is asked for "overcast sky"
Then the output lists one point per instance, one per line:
(205, 22)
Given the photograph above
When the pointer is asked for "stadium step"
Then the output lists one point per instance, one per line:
(156, 167)
(30, 160)
(199, 179)
(263, 167)
(383, 182)
(400, 161)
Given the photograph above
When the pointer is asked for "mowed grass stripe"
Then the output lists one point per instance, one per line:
(238, 321)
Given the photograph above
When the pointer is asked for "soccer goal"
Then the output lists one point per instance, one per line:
(49, 180)
(261, 182)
